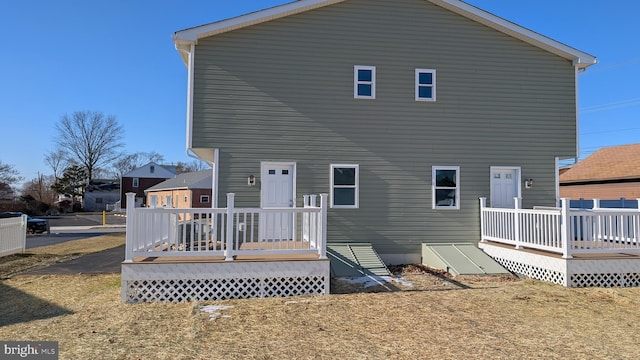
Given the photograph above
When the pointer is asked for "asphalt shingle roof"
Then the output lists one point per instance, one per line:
(611, 163)
(192, 180)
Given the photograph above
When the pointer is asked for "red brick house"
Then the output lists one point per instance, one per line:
(186, 190)
(140, 179)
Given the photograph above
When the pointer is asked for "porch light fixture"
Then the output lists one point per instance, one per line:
(251, 180)
(528, 183)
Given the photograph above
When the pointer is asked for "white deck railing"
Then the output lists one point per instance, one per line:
(563, 230)
(230, 231)
(13, 235)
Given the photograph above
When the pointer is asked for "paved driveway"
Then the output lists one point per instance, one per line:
(103, 262)
(81, 226)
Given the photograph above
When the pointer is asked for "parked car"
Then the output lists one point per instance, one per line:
(33, 225)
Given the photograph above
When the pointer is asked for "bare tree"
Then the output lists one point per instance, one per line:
(40, 189)
(124, 164)
(57, 161)
(153, 156)
(8, 174)
(90, 138)
(195, 165)
(8, 177)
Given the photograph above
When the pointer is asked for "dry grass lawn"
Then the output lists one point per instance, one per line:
(438, 318)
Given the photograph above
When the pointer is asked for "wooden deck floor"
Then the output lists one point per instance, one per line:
(593, 256)
(263, 245)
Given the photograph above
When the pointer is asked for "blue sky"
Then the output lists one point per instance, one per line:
(118, 57)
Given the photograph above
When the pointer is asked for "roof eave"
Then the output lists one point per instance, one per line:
(195, 33)
(185, 38)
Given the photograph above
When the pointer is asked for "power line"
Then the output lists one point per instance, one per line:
(609, 131)
(611, 106)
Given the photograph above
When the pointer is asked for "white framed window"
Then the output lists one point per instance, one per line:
(445, 187)
(186, 199)
(364, 82)
(136, 182)
(204, 199)
(344, 186)
(425, 85)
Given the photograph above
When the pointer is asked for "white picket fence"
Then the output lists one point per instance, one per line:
(230, 231)
(563, 230)
(13, 235)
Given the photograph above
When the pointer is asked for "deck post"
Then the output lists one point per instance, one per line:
(565, 235)
(516, 221)
(228, 248)
(636, 227)
(131, 216)
(596, 204)
(322, 241)
(483, 204)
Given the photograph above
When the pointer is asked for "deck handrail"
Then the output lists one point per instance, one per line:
(226, 232)
(562, 230)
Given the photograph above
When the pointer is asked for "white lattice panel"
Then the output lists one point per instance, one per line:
(539, 267)
(604, 272)
(216, 281)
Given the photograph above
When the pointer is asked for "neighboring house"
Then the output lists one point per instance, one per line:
(186, 190)
(101, 193)
(140, 179)
(609, 173)
(405, 112)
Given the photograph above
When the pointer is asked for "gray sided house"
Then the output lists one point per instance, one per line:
(404, 111)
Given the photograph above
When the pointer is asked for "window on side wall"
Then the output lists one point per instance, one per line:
(344, 186)
(445, 185)
(425, 85)
(204, 199)
(136, 182)
(364, 82)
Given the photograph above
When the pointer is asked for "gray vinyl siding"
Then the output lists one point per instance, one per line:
(283, 91)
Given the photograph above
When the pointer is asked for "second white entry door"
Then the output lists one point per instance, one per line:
(277, 191)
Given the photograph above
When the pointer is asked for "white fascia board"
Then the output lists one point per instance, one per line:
(193, 34)
(580, 60)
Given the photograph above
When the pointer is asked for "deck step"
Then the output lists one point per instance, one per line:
(460, 259)
(355, 260)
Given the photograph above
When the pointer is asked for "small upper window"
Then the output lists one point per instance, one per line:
(344, 186)
(364, 82)
(204, 199)
(425, 85)
(445, 184)
(136, 182)
(152, 169)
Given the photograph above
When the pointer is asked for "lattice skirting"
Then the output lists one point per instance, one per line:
(604, 272)
(220, 281)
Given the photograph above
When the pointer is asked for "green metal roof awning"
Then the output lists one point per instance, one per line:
(460, 259)
(355, 260)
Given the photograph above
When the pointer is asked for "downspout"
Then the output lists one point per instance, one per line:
(577, 71)
(189, 57)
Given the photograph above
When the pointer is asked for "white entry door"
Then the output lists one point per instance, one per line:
(504, 187)
(277, 191)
